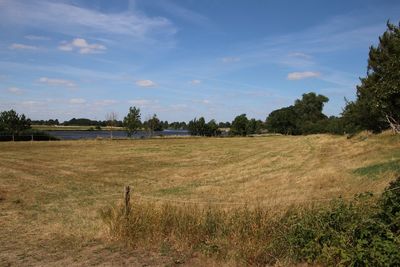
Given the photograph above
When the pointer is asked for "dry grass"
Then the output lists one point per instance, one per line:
(51, 192)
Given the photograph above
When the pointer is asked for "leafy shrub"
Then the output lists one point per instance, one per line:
(362, 232)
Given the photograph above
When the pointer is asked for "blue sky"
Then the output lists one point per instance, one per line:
(183, 59)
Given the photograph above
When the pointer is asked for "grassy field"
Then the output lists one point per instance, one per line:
(51, 192)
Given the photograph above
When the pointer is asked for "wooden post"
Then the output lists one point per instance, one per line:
(127, 200)
(32, 137)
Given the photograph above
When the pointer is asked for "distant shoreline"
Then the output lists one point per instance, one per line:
(73, 128)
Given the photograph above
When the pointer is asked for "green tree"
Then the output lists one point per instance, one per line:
(304, 117)
(132, 121)
(254, 126)
(197, 126)
(377, 106)
(13, 123)
(283, 121)
(153, 124)
(239, 125)
(212, 129)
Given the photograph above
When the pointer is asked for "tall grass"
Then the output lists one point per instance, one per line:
(357, 233)
(239, 233)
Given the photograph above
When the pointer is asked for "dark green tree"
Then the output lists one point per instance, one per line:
(212, 129)
(239, 125)
(377, 106)
(254, 126)
(283, 121)
(132, 121)
(304, 117)
(13, 123)
(153, 124)
(199, 127)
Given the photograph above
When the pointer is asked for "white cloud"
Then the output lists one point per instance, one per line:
(300, 55)
(31, 103)
(178, 107)
(195, 82)
(302, 75)
(230, 59)
(70, 19)
(77, 101)
(82, 46)
(36, 38)
(22, 47)
(57, 82)
(145, 83)
(203, 101)
(143, 102)
(15, 90)
(106, 102)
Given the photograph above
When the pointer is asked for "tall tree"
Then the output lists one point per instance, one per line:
(304, 117)
(239, 125)
(283, 121)
(111, 119)
(132, 121)
(13, 123)
(153, 124)
(377, 106)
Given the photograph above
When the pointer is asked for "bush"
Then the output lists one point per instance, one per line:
(362, 232)
(359, 233)
(27, 136)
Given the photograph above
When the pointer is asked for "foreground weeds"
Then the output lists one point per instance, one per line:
(361, 232)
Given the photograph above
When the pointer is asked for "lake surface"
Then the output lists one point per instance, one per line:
(75, 135)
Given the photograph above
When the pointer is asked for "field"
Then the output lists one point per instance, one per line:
(51, 192)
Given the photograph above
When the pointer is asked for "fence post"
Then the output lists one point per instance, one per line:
(32, 137)
(127, 200)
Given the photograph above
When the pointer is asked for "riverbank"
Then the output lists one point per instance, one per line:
(73, 128)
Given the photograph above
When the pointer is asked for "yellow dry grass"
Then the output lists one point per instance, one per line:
(51, 192)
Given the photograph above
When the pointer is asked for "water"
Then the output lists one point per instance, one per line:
(75, 135)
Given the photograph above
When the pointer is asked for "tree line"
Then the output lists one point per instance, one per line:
(377, 104)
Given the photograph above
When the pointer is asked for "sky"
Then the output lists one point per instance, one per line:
(183, 59)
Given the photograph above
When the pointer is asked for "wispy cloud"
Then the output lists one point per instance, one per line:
(180, 12)
(37, 38)
(57, 82)
(81, 45)
(203, 101)
(143, 103)
(105, 102)
(47, 14)
(22, 47)
(145, 83)
(77, 101)
(230, 59)
(195, 82)
(302, 75)
(15, 90)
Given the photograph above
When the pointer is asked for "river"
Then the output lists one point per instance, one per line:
(75, 135)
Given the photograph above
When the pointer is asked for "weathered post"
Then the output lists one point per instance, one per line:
(127, 200)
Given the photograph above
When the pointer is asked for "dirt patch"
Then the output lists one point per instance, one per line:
(3, 194)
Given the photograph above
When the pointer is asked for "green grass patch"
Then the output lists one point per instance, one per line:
(376, 170)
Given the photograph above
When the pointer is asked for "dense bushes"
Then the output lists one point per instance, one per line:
(362, 232)
(199, 127)
(29, 135)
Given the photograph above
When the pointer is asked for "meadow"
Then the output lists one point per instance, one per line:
(52, 193)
